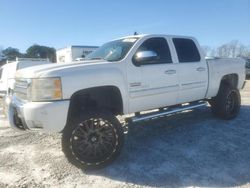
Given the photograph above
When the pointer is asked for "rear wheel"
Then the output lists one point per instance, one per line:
(226, 104)
(93, 140)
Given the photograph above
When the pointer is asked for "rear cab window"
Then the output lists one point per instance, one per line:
(186, 50)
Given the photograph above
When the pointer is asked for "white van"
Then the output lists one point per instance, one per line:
(8, 71)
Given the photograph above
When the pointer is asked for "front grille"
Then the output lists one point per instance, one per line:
(21, 88)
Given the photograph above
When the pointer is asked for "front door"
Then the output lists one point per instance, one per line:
(152, 83)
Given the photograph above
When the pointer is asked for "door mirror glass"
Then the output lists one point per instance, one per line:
(145, 56)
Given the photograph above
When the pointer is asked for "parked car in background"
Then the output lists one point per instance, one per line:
(7, 75)
(128, 75)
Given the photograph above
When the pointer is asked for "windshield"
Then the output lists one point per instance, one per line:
(114, 50)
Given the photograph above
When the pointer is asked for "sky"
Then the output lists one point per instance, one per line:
(60, 23)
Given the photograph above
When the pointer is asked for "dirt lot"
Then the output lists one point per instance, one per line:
(189, 149)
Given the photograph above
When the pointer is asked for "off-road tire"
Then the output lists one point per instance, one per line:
(226, 104)
(93, 140)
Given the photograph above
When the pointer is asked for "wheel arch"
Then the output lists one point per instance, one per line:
(230, 79)
(216, 84)
(101, 97)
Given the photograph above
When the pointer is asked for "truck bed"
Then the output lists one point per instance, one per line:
(218, 67)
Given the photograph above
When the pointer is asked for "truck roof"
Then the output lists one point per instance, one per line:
(154, 35)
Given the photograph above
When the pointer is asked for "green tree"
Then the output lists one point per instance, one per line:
(12, 53)
(37, 51)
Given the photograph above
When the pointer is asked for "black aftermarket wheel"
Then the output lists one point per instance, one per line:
(227, 103)
(93, 140)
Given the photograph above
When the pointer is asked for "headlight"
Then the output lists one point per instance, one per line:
(44, 89)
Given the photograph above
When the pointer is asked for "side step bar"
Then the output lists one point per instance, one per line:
(162, 113)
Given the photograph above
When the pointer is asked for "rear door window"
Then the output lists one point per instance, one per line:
(186, 50)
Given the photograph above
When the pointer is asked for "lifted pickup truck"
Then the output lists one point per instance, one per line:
(125, 76)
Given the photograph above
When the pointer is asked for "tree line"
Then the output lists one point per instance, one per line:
(229, 50)
(34, 51)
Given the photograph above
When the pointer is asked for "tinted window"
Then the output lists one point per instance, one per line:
(160, 47)
(186, 50)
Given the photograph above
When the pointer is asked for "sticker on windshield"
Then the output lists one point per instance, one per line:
(129, 40)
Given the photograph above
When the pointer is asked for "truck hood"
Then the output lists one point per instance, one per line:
(49, 69)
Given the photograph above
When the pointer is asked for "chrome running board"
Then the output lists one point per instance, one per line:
(161, 113)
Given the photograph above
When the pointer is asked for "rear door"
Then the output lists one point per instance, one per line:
(192, 70)
(153, 84)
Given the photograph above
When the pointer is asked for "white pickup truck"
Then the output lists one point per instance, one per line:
(125, 76)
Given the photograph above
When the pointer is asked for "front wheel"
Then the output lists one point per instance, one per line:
(93, 140)
(226, 104)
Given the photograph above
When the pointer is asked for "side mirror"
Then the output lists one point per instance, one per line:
(144, 57)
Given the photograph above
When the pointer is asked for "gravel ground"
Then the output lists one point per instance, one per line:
(189, 149)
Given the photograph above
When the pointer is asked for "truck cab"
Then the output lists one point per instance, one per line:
(174, 72)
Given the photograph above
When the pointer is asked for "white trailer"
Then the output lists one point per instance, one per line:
(73, 53)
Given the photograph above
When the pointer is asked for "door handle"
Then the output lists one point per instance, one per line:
(170, 72)
(135, 84)
(200, 69)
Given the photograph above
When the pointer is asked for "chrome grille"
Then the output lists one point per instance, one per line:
(21, 88)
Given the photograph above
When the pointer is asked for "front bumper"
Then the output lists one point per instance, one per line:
(50, 116)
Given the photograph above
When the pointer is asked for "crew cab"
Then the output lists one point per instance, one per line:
(125, 76)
